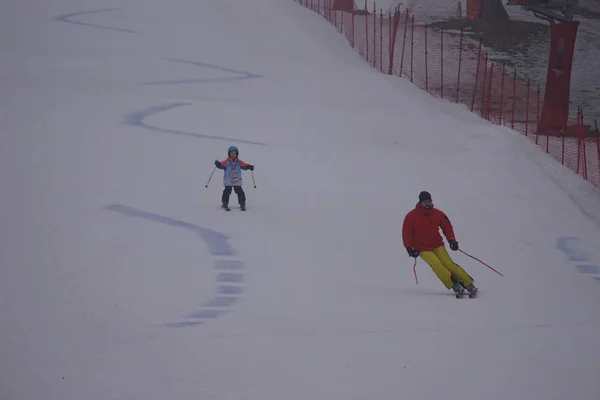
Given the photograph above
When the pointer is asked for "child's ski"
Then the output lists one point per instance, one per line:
(226, 208)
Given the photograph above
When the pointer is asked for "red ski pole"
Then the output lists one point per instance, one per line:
(415, 271)
(477, 259)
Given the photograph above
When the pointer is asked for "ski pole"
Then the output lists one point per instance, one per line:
(415, 271)
(211, 174)
(477, 259)
(253, 178)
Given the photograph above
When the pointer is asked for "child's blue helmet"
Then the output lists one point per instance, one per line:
(232, 148)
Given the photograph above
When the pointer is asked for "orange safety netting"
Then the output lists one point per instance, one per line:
(452, 65)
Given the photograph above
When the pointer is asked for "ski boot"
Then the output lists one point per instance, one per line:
(458, 290)
(225, 206)
(472, 290)
(243, 207)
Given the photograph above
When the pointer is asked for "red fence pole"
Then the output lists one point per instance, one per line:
(476, 76)
(501, 96)
(403, 43)
(583, 146)
(483, 86)
(597, 143)
(334, 14)
(366, 32)
(374, 36)
(489, 95)
(391, 42)
(527, 110)
(426, 71)
(514, 96)
(442, 61)
(459, 64)
(578, 140)
(412, 45)
(353, 40)
(381, 40)
(538, 121)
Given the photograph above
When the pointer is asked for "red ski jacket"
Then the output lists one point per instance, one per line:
(421, 228)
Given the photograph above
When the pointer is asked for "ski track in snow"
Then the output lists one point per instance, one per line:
(137, 118)
(241, 75)
(230, 276)
(573, 248)
(68, 18)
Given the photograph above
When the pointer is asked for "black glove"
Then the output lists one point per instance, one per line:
(251, 167)
(217, 163)
(453, 245)
(412, 252)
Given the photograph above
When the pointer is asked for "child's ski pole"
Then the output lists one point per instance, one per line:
(477, 259)
(211, 174)
(415, 271)
(253, 178)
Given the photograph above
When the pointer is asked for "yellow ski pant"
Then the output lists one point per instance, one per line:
(444, 268)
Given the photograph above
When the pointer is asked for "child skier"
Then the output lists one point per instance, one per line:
(232, 178)
(421, 237)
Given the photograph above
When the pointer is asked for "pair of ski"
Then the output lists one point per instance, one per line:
(226, 208)
(471, 295)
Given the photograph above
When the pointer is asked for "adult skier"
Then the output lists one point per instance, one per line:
(232, 177)
(421, 237)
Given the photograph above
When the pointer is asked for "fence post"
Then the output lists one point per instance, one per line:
(597, 141)
(537, 119)
(442, 61)
(578, 140)
(366, 32)
(527, 109)
(403, 43)
(459, 63)
(476, 76)
(426, 70)
(381, 40)
(391, 42)
(483, 86)
(514, 96)
(583, 146)
(412, 45)
(501, 95)
(489, 94)
(341, 21)
(353, 12)
(374, 36)
(334, 18)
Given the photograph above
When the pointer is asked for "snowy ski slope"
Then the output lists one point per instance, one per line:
(121, 278)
